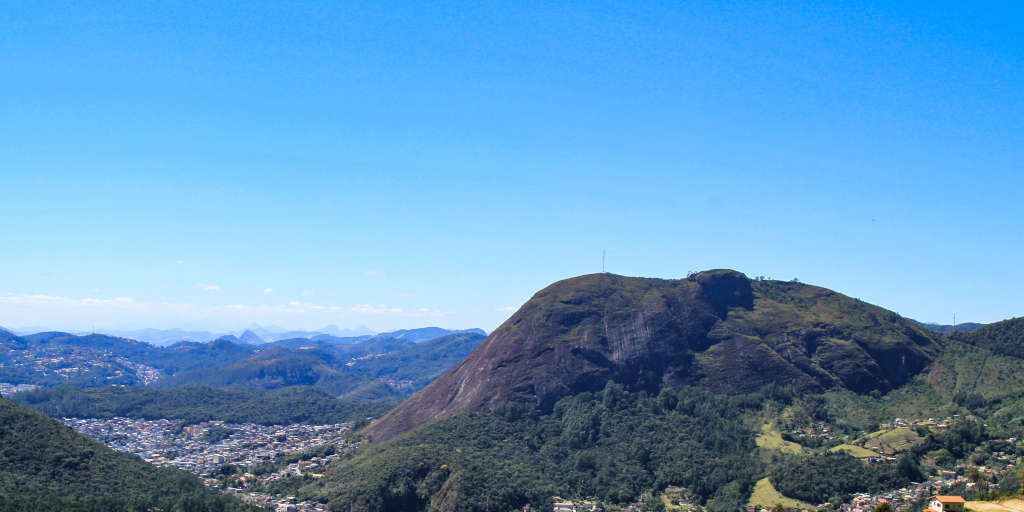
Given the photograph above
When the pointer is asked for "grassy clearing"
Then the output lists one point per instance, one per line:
(771, 439)
(854, 450)
(765, 495)
(1010, 505)
(670, 506)
(893, 441)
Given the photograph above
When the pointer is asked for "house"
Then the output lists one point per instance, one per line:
(564, 506)
(946, 504)
(561, 505)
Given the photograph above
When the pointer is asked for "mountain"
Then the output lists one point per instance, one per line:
(229, 338)
(51, 358)
(271, 369)
(250, 338)
(187, 356)
(123, 346)
(342, 348)
(255, 334)
(412, 368)
(163, 337)
(6, 334)
(1006, 337)
(614, 387)
(427, 333)
(45, 465)
(717, 330)
(356, 370)
(334, 330)
(274, 333)
(949, 329)
(336, 340)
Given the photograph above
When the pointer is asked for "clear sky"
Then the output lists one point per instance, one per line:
(393, 165)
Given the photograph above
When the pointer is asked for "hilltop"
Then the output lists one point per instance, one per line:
(717, 330)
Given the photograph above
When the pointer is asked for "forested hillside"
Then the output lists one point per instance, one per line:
(46, 466)
(613, 444)
(1006, 337)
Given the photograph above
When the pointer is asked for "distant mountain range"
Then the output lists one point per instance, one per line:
(338, 368)
(255, 334)
(403, 362)
(428, 333)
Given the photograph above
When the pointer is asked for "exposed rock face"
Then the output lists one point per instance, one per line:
(716, 329)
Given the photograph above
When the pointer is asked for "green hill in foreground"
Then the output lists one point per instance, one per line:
(45, 465)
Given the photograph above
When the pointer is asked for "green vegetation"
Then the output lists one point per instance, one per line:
(957, 441)
(771, 439)
(47, 466)
(407, 366)
(196, 404)
(217, 433)
(854, 450)
(765, 495)
(614, 445)
(892, 441)
(1006, 337)
(817, 478)
(272, 369)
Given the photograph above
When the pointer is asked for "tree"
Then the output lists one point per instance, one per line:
(908, 468)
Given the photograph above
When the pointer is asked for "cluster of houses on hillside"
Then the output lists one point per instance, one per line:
(6, 388)
(930, 422)
(63, 365)
(205, 449)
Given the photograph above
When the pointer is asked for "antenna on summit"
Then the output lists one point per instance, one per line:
(602, 261)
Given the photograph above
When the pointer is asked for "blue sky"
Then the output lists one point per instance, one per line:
(396, 165)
